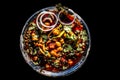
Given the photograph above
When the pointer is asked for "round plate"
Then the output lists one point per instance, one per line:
(31, 47)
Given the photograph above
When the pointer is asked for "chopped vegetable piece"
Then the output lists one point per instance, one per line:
(53, 52)
(44, 36)
(52, 45)
(79, 49)
(47, 54)
(64, 67)
(59, 49)
(67, 48)
(58, 44)
(47, 66)
(62, 40)
(70, 62)
(31, 28)
(56, 31)
(35, 58)
(67, 28)
(61, 33)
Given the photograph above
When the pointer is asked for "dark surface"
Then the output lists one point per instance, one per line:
(89, 11)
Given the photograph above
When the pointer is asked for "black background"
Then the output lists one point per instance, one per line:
(96, 65)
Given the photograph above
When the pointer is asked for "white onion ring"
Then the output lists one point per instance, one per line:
(42, 24)
(48, 19)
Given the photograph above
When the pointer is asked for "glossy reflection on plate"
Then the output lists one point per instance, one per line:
(55, 41)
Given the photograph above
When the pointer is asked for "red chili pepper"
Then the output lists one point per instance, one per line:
(70, 17)
(77, 28)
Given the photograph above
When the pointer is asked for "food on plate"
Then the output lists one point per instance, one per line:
(55, 39)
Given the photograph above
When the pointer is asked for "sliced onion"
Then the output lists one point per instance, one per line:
(41, 24)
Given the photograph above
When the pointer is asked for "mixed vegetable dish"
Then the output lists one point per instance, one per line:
(55, 39)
